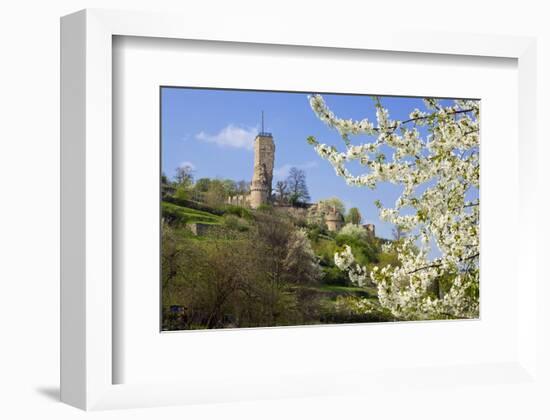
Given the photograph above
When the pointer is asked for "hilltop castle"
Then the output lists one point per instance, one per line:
(262, 177)
(261, 189)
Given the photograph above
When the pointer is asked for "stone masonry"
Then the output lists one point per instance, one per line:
(262, 178)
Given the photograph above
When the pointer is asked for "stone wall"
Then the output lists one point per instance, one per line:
(199, 229)
(334, 224)
(239, 200)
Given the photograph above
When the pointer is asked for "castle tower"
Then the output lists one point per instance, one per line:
(333, 220)
(264, 159)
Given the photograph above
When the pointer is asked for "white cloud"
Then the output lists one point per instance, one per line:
(282, 171)
(231, 136)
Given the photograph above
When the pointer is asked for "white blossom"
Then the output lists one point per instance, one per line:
(437, 172)
(346, 262)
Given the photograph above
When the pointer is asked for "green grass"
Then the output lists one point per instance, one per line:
(331, 291)
(342, 289)
(189, 215)
(349, 290)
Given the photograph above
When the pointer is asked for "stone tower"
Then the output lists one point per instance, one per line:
(333, 220)
(264, 158)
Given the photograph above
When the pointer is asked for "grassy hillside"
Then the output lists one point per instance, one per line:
(186, 215)
(242, 274)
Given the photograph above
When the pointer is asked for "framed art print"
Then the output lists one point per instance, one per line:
(378, 222)
(250, 217)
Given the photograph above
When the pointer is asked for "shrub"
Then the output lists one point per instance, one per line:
(313, 233)
(173, 214)
(334, 276)
(233, 222)
(325, 251)
(265, 208)
(352, 309)
(238, 211)
(182, 193)
(365, 249)
(354, 231)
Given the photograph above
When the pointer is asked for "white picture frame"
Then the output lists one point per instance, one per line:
(86, 205)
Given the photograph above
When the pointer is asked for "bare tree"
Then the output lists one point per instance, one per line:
(297, 187)
(281, 192)
(184, 175)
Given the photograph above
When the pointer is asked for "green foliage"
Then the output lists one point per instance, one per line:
(193, 205)
(235, 223)
(182, 192)
(334, 276)
(316, 232)
(256, 267)
(352, 309)
(202, 185)
(365, 250)
(354, 216)
(266, 208)
(385, 259)
(253, 280)
(238, 211)
(183, 215)
(326, 205)
(355, 231)
(214, 191)
(217, 193)
(325, 249)
(336, 290)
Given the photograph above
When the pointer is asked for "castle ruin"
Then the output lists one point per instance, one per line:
(369, 227)
(261, 188)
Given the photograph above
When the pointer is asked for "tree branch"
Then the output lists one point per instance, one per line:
(471, 257)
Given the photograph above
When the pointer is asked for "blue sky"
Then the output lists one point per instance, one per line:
(213, 131)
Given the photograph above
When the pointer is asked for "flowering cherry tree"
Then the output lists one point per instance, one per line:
(434, 157)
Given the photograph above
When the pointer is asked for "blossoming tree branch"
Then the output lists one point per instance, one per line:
(435, 158)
